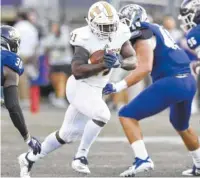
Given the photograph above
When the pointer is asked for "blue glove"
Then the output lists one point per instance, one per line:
(114, 87)
(34, 144)
(112, 60)
(109, 88)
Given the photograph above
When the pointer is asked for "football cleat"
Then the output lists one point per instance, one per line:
(192, 172)
(81, 165)
(25, 165)
(138, 166)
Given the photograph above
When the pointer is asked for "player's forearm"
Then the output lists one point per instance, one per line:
(129, 63)
(16, 115)
(137, 75)
(87, 70)
(197, 50)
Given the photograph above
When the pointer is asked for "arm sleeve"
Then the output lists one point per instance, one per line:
(16, 115)
(80, 53)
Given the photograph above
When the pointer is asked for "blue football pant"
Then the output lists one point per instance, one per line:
(176, 93)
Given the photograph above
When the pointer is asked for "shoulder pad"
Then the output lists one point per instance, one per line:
(140, 30)
(124, 28)
(136, 34)
(124, 32)
(139, 26)
(14, 62)
(80, 36)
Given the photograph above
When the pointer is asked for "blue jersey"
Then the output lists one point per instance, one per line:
(169, 59)
(11, 60)
(193, 37)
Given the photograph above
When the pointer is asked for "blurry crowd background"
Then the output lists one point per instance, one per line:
(45, 28)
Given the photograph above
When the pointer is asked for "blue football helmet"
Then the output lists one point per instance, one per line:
(189, 14)
(10, 38)
(132, 13)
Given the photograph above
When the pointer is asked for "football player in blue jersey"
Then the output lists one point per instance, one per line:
(190, 17)
(173, 86)
(11, 69)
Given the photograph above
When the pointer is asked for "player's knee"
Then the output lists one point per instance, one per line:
(180, 125)
(99, 123)
(103, 115)
(122, 112)
(129, 113)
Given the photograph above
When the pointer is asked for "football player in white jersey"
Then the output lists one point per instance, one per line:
(88, 113)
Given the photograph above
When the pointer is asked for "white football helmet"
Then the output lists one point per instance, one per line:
(132, 13)
(189, 14)
(103, 19)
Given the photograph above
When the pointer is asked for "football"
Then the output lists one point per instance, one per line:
(97, 57)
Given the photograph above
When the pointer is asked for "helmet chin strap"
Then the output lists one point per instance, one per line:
(8, 47)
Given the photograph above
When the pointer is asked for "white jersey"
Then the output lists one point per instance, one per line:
(85, 38)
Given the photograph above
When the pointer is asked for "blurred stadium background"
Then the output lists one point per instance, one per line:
(43, 62)
(43, 90)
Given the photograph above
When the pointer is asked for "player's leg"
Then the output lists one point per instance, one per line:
(179, 117)
(151, 101)
(91, 132)
(93, 128)
(88, 100)
(71, 129)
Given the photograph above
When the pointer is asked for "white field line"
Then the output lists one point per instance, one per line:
(94, 177)
(149, 139)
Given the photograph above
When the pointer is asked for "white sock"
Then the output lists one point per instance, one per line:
(196, 157)
(139, 149)
(48, 145)
(90, 134)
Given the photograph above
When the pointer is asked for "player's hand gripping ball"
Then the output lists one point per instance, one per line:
(110, 58)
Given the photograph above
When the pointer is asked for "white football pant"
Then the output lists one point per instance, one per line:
(85, 103)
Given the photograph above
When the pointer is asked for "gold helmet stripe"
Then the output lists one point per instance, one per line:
(95, 11)
(108, 9)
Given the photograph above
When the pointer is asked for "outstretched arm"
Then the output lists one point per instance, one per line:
(144, 53)
(14, 109)
(12, 102)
